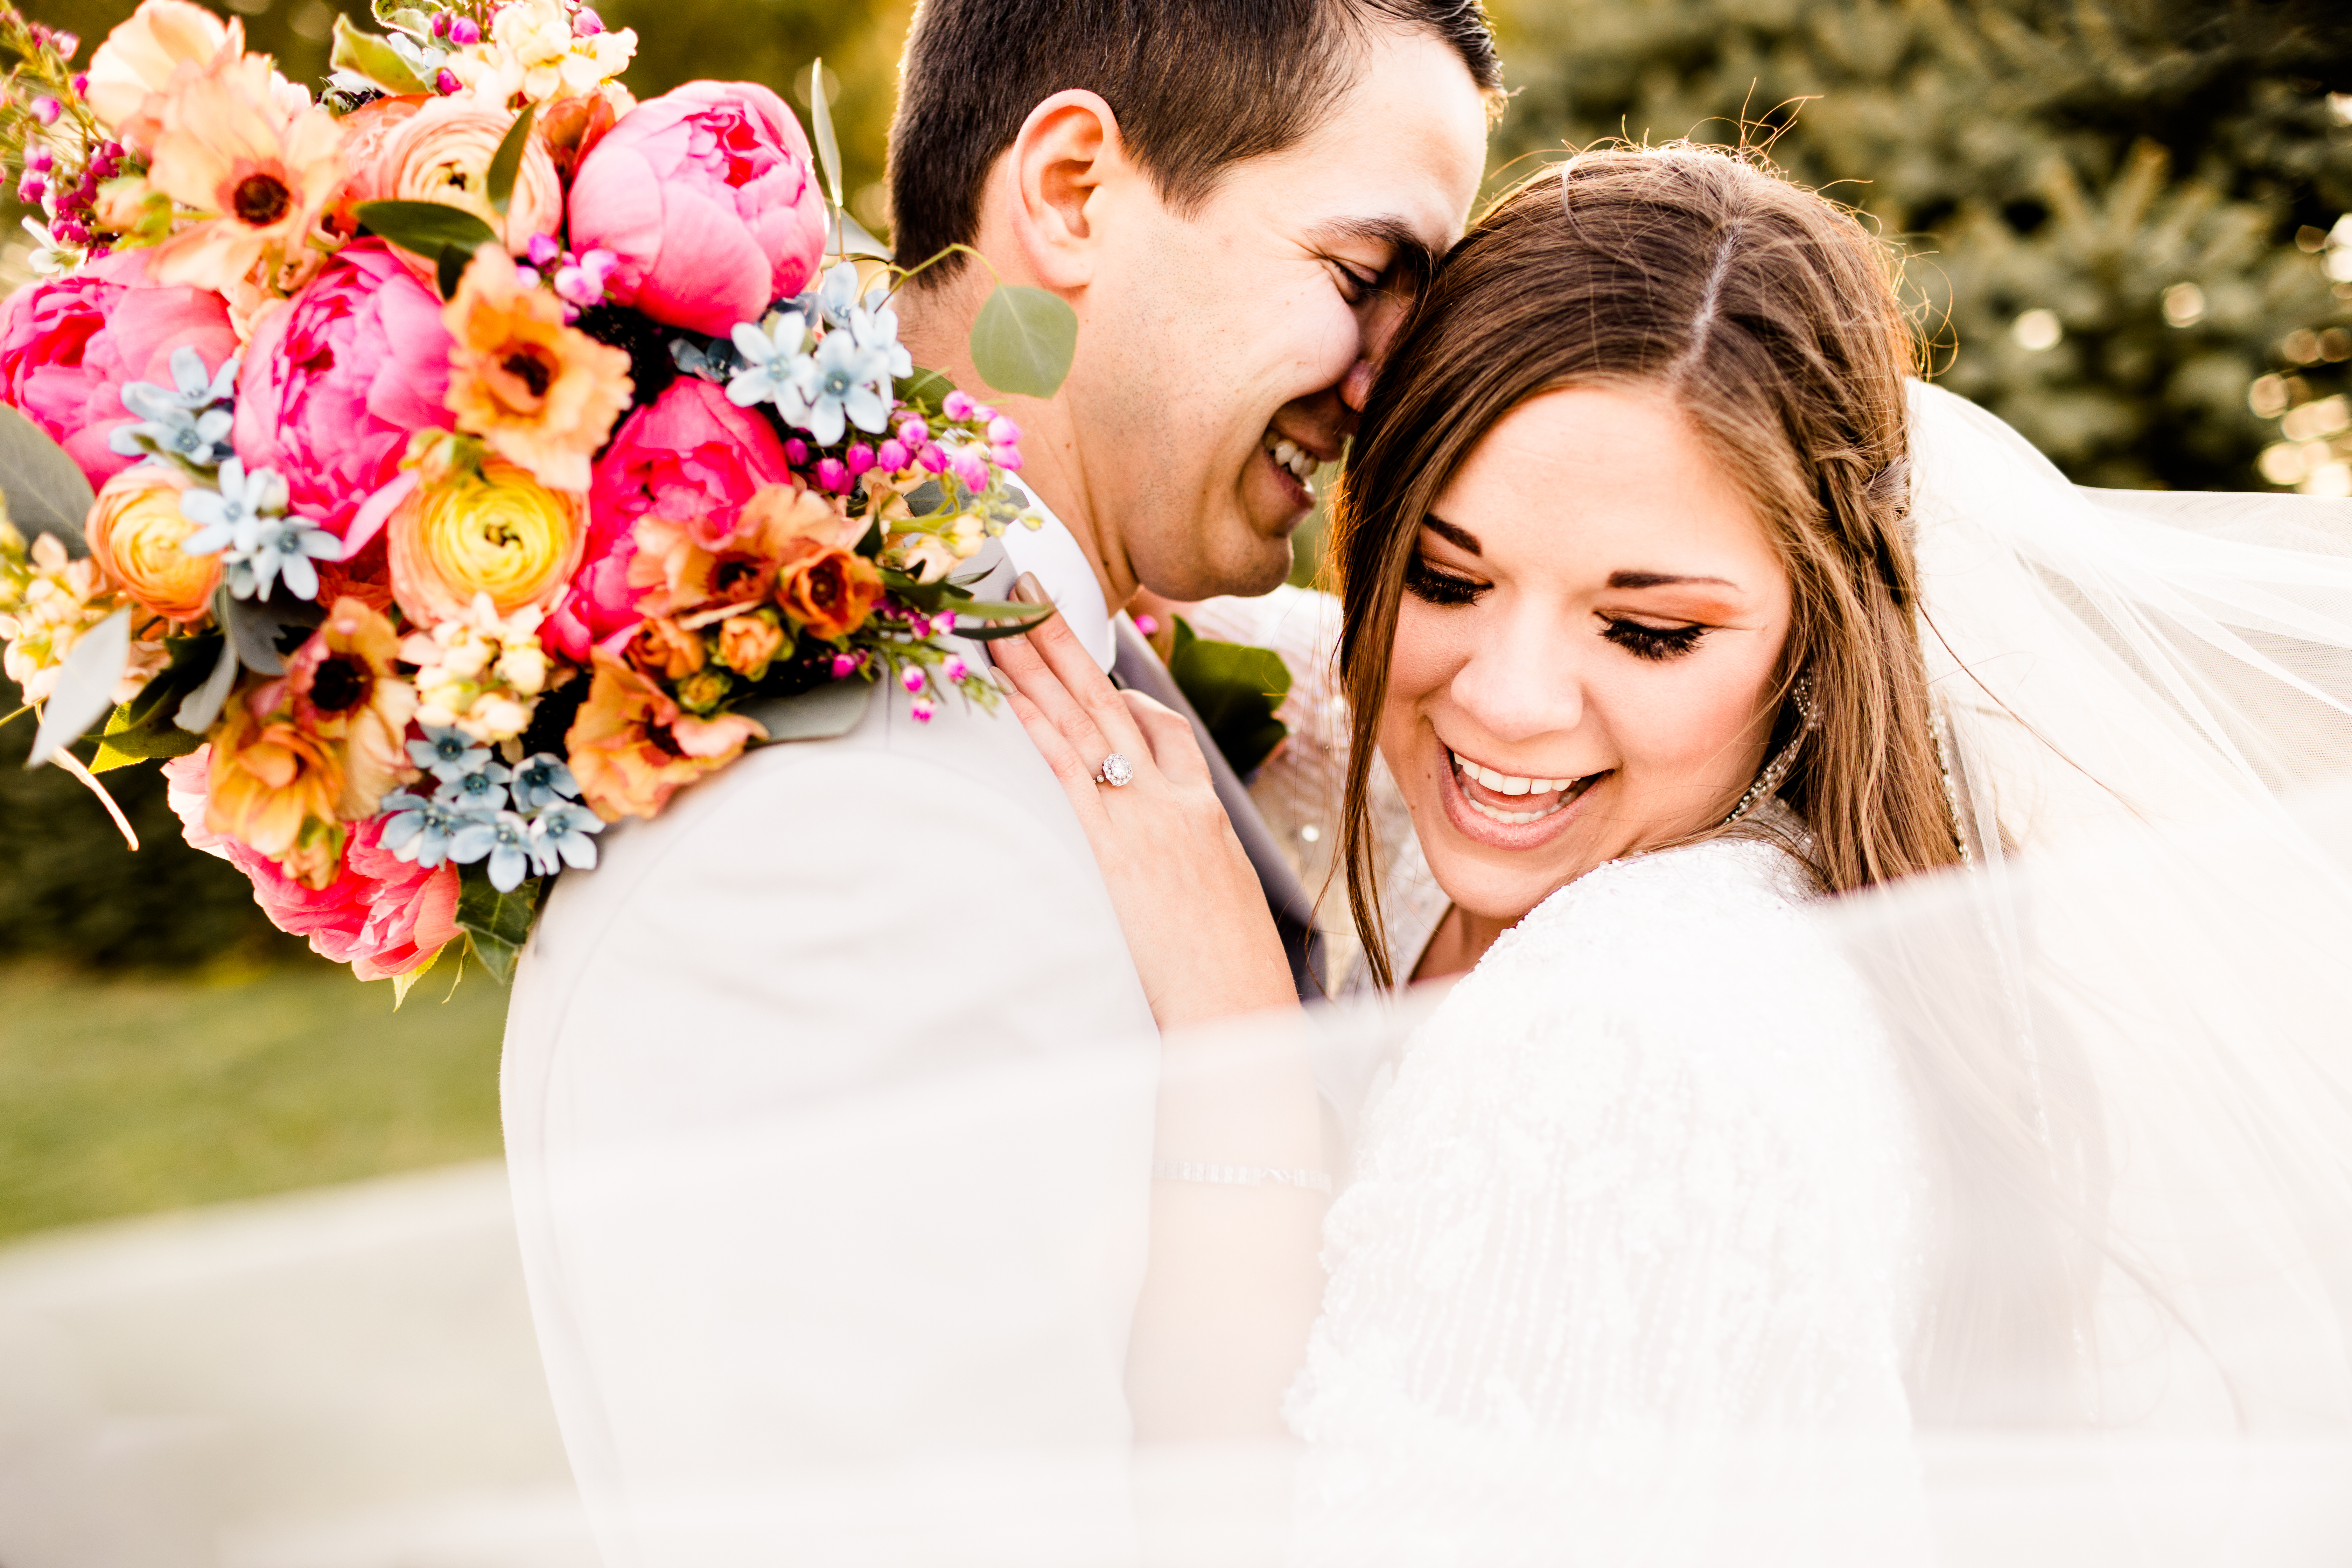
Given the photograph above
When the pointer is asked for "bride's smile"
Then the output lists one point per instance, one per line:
(1587, 656)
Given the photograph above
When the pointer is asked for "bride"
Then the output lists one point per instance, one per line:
(1850, 1035)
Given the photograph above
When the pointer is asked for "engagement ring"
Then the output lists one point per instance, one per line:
(1116, 771)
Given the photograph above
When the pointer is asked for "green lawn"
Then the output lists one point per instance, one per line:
(123, 1096)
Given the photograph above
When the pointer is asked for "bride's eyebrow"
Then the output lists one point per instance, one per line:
(1663, 580)
(1460, 538)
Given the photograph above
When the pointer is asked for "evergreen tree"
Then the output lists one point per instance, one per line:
(2117, 211)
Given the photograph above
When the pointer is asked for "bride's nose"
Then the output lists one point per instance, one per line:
(1523, 684)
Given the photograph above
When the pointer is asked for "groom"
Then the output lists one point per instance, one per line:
(826, 1095)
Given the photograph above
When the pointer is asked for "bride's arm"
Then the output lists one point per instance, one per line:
(1234, 1281)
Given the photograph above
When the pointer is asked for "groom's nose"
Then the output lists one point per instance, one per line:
(1381, 319)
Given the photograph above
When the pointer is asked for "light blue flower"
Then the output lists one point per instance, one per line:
(479, 789)
(877, 330)
(837, 296)
(245, 523)
(559, 835)
(448, 753)
(850, 384)
(501, 837)
(776, 362)
(419, 830)
(188, 420)
(541, 779)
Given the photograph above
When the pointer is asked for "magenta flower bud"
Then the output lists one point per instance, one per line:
(892, 456)
(844, 666)
(1007, 458)
(914, 433)
(982, 413)
(81, 84)
(1003, 432)
(956, 405)
(912, 678)
(46, 110)
(32, 189)
(600, 265)
(68, 45)
(543, 250)
(831, 476)
(586, 23)
(66, 231)
(1149, 625)
(440, 28)
(39, 161)
(921, 710)
(955, 669)
(99, 252)
(796, 452)
(971, 469)
(527, 277)
(445, 81)
(934, 457)
(464, 33)
(861, 458)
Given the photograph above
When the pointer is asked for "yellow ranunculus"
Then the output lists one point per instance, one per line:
(135, 528)
(500, 532)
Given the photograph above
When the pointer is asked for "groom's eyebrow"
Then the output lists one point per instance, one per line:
(1460, 538)
(1411, 257)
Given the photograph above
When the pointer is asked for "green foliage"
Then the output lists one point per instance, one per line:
(1236, 691)
(2141, 170)
(70, 889)
(496, 924)
(507, 162)
(46, 489)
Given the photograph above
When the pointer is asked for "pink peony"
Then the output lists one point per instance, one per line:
(706, 197)
(381, 915)
(335, 381)
(68, 344)
(689, 456)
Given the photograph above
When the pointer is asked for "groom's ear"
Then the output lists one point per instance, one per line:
(1070, 172)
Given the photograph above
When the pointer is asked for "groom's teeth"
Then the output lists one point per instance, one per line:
(1301, 462)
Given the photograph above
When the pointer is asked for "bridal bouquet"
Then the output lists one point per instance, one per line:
(436, 472)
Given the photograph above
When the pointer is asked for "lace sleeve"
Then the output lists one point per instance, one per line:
(1627, 1261)
(1298, 789)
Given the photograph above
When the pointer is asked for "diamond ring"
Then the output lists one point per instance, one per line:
(1116, 771)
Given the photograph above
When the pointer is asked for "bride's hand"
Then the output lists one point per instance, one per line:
(1194, 914)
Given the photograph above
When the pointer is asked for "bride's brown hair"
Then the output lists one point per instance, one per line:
(1766, 314)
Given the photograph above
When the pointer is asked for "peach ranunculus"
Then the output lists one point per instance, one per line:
(139, 60)
(135, 528)
(275, 788)
(343, 686)
(368, 131)
(540, 393)
(494, 531)
(632, 747)
(232, 147)
(442, 154)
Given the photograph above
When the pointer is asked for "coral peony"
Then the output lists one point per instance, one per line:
(380, 914)
(70, 344)
(691, 457)
(135, 529)
(541, 394)
(632, 747)
(335, 382)
(493, 531)
(707, 195)
(442, 154)
(233, 146)
(139, 60)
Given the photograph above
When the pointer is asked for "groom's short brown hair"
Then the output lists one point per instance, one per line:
(1196, 84)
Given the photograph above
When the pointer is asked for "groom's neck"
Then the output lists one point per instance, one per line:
(935, 324)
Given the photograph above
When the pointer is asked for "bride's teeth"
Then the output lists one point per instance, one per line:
(1507, 784)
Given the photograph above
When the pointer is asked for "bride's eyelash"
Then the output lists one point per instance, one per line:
(1433, 585)
(1653, 642)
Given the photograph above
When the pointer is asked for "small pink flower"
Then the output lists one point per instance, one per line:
(957, 405)
(46, 110)
(833, 475)
(586, 23)
(922, 711)
(890, 457)
(971, 469)
(955, 669)
(913, 679)
(860, 459)
(844, 666)
(934, 458)
(914, 433)
(1007, 458)
(445, 81)
(1003, 432)
(542, 250)
(465, 32)
(796, 452)
(1148, 624)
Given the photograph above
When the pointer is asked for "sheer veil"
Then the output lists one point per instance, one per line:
(2127, 1026)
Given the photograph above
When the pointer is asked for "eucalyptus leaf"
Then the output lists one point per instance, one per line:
(1024, 341)
(1236, 689)
(85, 688)
(365, 54)
(828, 150)
(201, 706)
(47, 490)
(496, 924)
(507, 162)
(252, 631)
(818, 714)
(924, 386)
(426, 228)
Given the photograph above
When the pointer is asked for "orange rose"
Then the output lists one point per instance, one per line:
(830, 591)
(749, 644)
(135, 528)
(663, 650)
(632, 747)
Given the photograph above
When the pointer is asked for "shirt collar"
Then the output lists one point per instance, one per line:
(1052, 552)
